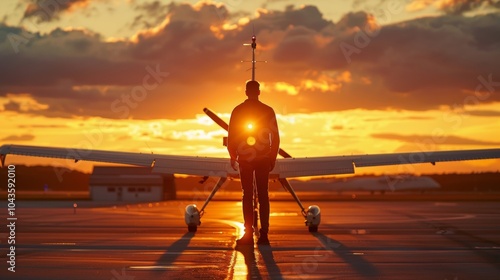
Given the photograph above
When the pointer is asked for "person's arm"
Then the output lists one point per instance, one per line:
(232, 146)
(275, 139)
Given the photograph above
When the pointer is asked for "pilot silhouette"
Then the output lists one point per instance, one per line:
(253, 144)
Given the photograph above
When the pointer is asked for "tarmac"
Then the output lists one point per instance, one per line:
(356, 240)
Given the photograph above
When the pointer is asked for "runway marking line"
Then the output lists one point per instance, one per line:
(58, 243)
(168, 267)
(234, 267)
(284, 214)
(372, 221)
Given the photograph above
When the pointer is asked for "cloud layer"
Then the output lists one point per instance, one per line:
(49, 10)
(455, 7)
(448, 140)
(314, 64)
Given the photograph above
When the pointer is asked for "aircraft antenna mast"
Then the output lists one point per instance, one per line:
(254, 46)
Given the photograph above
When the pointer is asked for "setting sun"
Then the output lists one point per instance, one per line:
(340, 82)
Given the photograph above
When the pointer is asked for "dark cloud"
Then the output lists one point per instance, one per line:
(24, 137)
(353, 19)
(419, 64)
(418, 118)
(42, 126)
(307, 16)
(458, 7)
(483, 113)
(49, 10)
(297, 45)
(427, 139)
(150, 14)
(73, 56)
(426, 62)
(12, 106)
(451, 7)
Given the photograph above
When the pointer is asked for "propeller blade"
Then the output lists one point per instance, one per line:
(216, 119)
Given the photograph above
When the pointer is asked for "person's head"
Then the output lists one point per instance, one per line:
(252, 89)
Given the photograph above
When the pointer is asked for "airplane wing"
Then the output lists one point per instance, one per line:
(318, 166)
(171, 164)
(220, 167)
(384, 183)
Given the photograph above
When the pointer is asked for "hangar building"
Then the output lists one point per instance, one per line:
(134, 184)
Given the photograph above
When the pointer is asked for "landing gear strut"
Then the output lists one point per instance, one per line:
(313, 213)
(193, 215)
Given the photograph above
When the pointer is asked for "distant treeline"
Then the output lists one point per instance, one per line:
(58, 179)
(55, 178)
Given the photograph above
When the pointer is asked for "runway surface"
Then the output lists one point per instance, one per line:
(356, 240)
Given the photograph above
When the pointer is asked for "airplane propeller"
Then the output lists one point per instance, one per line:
(225, 126)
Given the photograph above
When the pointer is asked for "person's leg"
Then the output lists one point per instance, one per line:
(262, 181)
(246, 177)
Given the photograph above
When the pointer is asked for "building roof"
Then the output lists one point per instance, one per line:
(124, 176)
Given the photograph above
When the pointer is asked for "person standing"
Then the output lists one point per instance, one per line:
(253, 144)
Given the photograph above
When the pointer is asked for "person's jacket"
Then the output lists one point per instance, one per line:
(253, 132)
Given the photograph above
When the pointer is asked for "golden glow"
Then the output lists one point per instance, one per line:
(346, 77)
(372, 23)
(286, 87)
(418, 5)
(101, 89)
(320, 85)
(302, 135)
(251, 141)
(243, 21)
(75, 6)
(217, 32)
(115, 39)
(229, 26)
(151, 31)
(324, 81)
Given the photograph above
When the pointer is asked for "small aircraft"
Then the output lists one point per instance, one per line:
(285, 167)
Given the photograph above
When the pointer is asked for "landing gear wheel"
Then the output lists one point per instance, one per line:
(313, 229)
(192, 228)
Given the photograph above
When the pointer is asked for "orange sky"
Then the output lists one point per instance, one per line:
(360, 81)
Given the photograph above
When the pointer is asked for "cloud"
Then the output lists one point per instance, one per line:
(426, 139)
(43, 126)
(461, 6)
(21, 103)
(150, 14)
(24, 137)
(418, 118)
(49, 10)
(454, 7)
(428, 62)
(12, 106)
(483, 113)
(420, 64)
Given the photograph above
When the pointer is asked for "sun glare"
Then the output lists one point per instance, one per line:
(251, 141)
